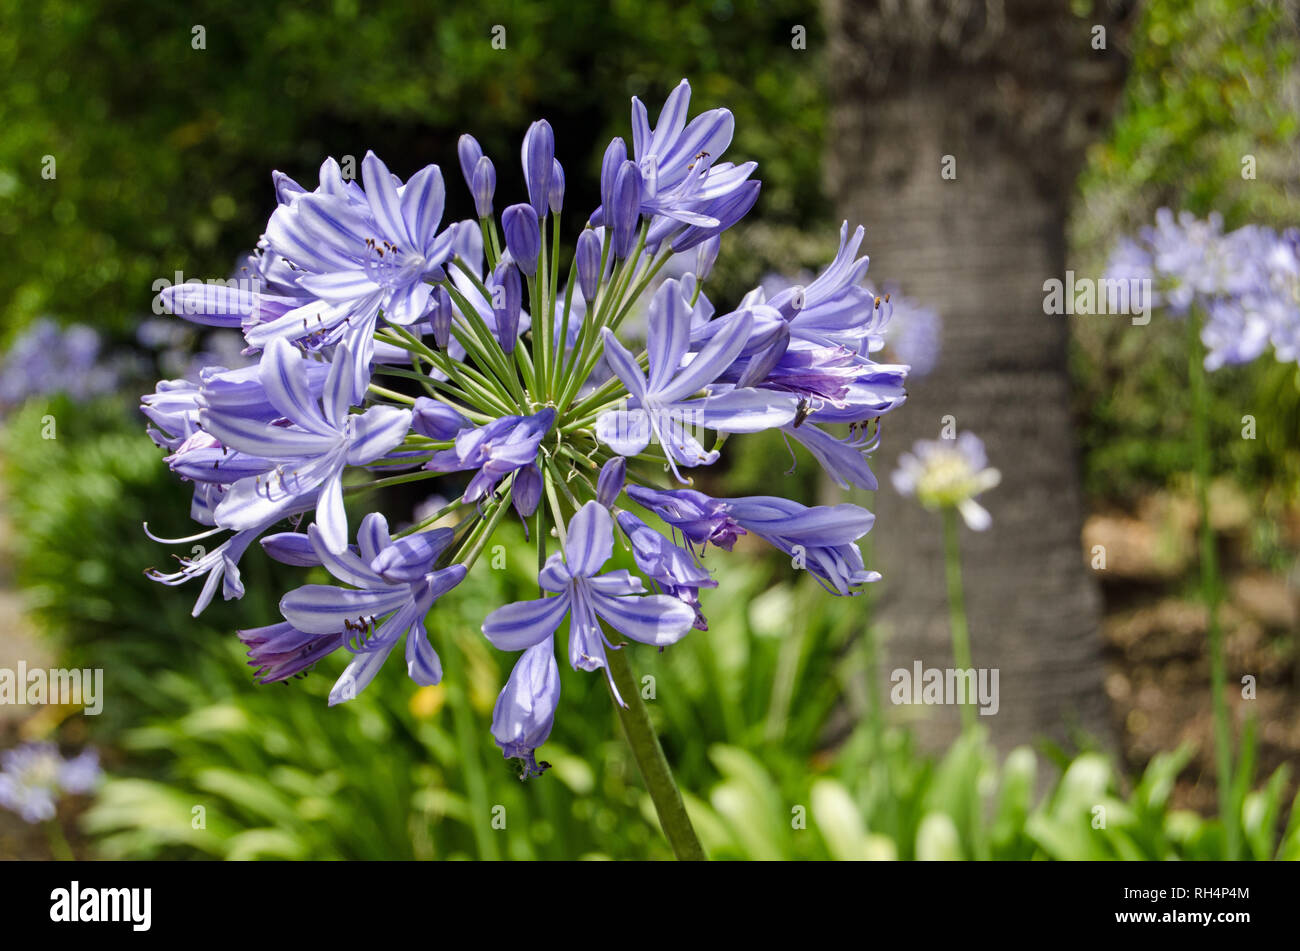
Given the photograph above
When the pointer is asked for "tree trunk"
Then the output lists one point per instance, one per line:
(1007, 94)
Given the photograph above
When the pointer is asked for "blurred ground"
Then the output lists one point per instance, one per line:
(1155, 634)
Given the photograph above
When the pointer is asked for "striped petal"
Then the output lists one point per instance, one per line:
(624, 365)
(521, 624)
(669, 335)
(372, 536)
(626, 431)
(376, 431)
(331, 516)
(283, 374)
(422, 663)
(358, 675)
(745, 410)
(381, 194)
(590, 541)
(423, 199)
(278, 443)
(328, 609)
(337, 396)
(339, 286)
(710, 363)
(656, 619)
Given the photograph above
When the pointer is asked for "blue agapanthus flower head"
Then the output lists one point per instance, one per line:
(392, 345)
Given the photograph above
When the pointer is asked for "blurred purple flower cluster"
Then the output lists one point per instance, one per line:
(46, 359)
(1246, 282)
(35, 776)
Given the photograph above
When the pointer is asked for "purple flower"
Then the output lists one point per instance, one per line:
(821, 538)
(437, 420)
(724, 211)
(483, 186)
(526, 490)
(311, 447)
(609, 484)
(836, 308)
(555, 194)
(360, 278)
(47, 359)
(680, 182)
(624, 210)
(468, 152)
(525, 710)
(393, 586)
(538, 155)
(914, 335)
(220, 566)
(440, 317)
(507, 304)
(359, 252)
(1246, 282)
(844, 460)
(587, 598)
(661, 406)
(610, 164)
(1263, 307)
(495, 450)
(523, 236)
(588, 263)
(280, 651)
(670, 566)
(264, 289)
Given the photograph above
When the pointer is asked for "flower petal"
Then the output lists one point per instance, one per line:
(331, 516)
(624, 365)
(522, 624)
(376, 431)
(422, 663)
(525, 709)
(381, 195)
(669, 334)
(283, 374)
(653, 619)
(291, 548)
(590, 541)
(711, 362)
(626, 431)
(338, 387)
(423, 200)
(329, 609)
(746, 410)
(258, 438)
(358, 675)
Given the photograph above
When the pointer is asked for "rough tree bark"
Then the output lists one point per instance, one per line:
(1012, 91)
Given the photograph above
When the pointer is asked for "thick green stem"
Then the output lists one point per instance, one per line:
(649, 756)
(1210, 583)
(957, 609)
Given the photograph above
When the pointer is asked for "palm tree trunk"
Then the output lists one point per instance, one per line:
(1003, 96)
